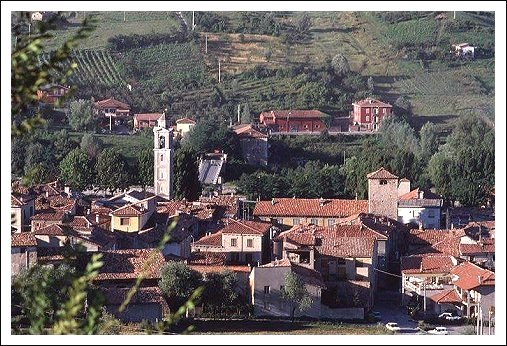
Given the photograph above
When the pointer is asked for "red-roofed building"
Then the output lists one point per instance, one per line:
(420, 207)
(295, 211)
(295, 120)
(52, 93)
(22, 209)
(184, 125)
(267, 281)
(368, 113)
(23, 251)
(114, 111)
(254, 145)
(146, 120)
(242, 241)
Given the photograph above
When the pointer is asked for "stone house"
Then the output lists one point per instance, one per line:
(23, 252)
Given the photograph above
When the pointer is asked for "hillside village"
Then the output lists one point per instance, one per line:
(386, 245)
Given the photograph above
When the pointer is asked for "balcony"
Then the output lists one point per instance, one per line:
(418, 286)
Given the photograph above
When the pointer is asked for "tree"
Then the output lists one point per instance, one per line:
(76, 170)
(145, 166)
(186, 177)
(91, 145)
(63, 144)
(38, 174)
(207, 136)
(303, 24)
(81, 114)
(428, 141)
(112, 170)
(178, 282)
(246, 116)
(340, 65)
(296, 294)
(220, 291)
(402, 107)
(39, 153)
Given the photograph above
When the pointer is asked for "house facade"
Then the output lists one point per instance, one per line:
(52, 93)
(290, 121)
(368, 113)
(267, 283)
(422, 208)
(22, 209)
(184, 125)
(254, 145)
(383, 193)
(296, 211)
(114, 111)
(23, 252)
(246, 242)
(146, 120)
(132, 217)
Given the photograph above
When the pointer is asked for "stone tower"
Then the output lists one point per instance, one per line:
(383, 193)
(163, 151)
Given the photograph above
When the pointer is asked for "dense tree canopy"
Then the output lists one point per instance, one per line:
(296, 294)
(76, 170)
(112, 170)
(186, 175)
(81, 115)
(178, 281)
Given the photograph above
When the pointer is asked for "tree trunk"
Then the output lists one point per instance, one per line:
(292, 313)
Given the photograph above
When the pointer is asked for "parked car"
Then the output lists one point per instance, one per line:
(392, 326)
(439, 331)
(449, 316)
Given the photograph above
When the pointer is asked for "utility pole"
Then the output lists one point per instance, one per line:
(124, 16)
(193, 20)
(29, 29)
(218, 70)
(424, 301)
(206, 44)
(239, 108)
(454, 17)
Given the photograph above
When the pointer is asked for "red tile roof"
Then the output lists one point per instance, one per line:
(414, 194)
(246, 227)
(130, 264)
(79, 221)
(23, 239)
(483, 247)
(15, 202)
(419, 264)
(347, 247)
(143, 295)
(112, 103)
(300, 207)
(470, 276)
(207, 258)
(54, 230)
(447, 296)
(219, 268)
(185, 121)
(248, 132)
(58, 216)
(370, 102)
(129, 210)
(214, 240)
(436, 241)
(147, 116)
(381, 173)
(295, 113)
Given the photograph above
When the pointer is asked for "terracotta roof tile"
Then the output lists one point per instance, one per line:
(207, 258)
(185, 121)
(15, 202)
(299, 207)
(23, 239)
(147, 116)
(470, 276)
(371, 102)
(249, 132)
(111, 103)
(447, 296)
(381, 173)
(414, 194)
(58, 216)
(483, 247)
(427, 263)
(220, 268)
(214, 240)
(294, 113)
(347, 247)
(130, 264)
(309, 276)
(245, 227)
(436, 241)
(54, 230)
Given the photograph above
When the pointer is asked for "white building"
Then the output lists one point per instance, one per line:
(420, 208)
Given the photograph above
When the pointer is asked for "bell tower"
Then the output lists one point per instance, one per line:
(163, 151)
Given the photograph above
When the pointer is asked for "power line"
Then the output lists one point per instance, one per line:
(399, 276)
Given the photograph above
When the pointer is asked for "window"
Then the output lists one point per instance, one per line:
(124, 221)
(314, 221)
(161, 157)
(317, 126)
(279, 221)
(266, 290)
(367, 118)
(249, 243)
(383, 182)
(330, 222)
(234, 242)
(295, 221)
(367, 111)
(359, 264)
(383, 110)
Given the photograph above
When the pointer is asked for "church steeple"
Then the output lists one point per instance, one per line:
(163, 152)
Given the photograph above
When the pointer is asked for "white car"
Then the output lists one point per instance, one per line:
(439, 331)
(392, 326)
(448, 316)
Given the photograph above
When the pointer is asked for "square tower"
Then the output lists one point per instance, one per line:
(383, 193)
(163, 151)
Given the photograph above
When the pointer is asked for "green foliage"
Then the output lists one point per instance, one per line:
(28, 73)
(429, 141)
(463, 169)
(91, 145)
(186, 177)
(340, 65)
(38, 174)
(63, 144)
(263, 23)
(112, 170)
(211, 21)
(76, 170)
(81, 115)
(207, 136)
(296, 294)
(220, 291)
(145, 166)
(109, 325)
(178, 282)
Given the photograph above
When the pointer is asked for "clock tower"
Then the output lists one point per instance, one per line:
(163, 152)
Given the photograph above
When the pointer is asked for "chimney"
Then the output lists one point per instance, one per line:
(47, 194)
(272, 201)
(97, 218)
(479, 278)
(421, 267)
(321, 202)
